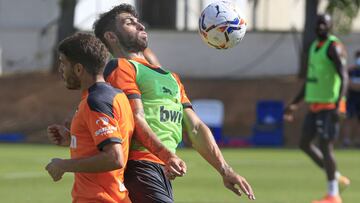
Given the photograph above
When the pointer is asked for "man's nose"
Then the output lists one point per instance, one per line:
(140, 26)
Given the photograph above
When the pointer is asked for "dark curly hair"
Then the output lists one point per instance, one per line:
(87, 50)
(106, 21)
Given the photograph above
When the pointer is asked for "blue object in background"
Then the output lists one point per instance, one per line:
(268, 128)
(211, 112)
(12, 137)
(217, 132)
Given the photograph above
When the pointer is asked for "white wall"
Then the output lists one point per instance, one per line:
(279, 15)
(259, 54)
(24, 46)
(87, 11)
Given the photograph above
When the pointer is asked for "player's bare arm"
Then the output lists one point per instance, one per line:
(293, 105)
(110, 158)
(203, 141)
(337, 54)
(173, 164)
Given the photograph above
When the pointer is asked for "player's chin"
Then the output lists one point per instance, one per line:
(143, 42)
(143, 45)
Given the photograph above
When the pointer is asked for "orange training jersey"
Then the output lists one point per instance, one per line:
(120, 73)
(104, 116)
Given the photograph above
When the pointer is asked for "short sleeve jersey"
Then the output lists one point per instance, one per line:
(103, 116)
(121, 74)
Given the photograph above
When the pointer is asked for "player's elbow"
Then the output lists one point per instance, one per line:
(139, 119)
(198, 130)
(202, 128)
(115, 159)
(118, 163)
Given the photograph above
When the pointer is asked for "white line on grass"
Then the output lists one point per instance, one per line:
(21, 175)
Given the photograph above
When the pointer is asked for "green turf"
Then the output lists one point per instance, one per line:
(277, 176)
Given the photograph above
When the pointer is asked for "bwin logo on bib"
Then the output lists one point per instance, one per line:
(173, 116)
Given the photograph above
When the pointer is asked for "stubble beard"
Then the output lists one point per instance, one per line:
(132, 44)
(72, 82)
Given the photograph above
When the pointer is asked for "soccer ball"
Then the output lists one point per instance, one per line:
(221, 26)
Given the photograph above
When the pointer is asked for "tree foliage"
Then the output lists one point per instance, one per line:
(343, 12)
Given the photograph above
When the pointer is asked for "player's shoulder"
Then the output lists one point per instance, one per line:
(110, 67)
(115, 64)
(101, 98)
(176, 76)
(335, 42)
(337, 47)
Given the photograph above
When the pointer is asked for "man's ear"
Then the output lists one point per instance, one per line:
(79, 69)
(110, 37)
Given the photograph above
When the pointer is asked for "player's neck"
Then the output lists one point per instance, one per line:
(122, 53)
(89, 81)
(135, 55)
(323, 38)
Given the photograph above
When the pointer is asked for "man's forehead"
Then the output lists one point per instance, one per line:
(123, 16)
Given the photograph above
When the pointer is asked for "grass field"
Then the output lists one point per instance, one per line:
(277, 176)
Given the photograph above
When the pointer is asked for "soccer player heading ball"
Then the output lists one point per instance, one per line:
(160, 107)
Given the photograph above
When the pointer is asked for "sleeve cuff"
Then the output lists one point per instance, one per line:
(108, 141)
(134, 96)
(187, 105)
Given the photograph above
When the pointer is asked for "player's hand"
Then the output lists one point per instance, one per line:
(340, 111)
(237, 183)
(174, 167)
(54, 169)
(338, 115)
(58, 135)
(289, 112)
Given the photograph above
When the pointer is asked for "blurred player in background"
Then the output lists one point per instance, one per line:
(160, 107)
(323, 91)
(351, 123)
(100, 129)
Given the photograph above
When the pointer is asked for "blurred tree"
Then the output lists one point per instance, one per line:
(311, 7)
(65, 27)
(342, 12)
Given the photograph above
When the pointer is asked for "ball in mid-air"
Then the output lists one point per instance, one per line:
(221, 26)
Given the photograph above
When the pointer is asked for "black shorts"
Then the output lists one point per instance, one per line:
(147, 183)
(324, 124)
